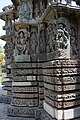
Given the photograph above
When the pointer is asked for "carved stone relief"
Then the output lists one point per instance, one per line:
(25, 11)
(42, 7)
(58, 39)
(22, 42)
(73, 42)
(62, 37)
(33, 41)
(51, 37)
(22, 111)
(42, 39)
(24, 102)
(36, 10)
(9, 27)
(9, 46)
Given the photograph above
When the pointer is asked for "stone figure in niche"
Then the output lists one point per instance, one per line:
(51, 37)
(22, 42)
(42, 41)
(73, 41)
(33, 39)
(25, 11)
(62, 37)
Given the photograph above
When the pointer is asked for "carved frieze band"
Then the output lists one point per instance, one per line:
(62, 80)
(24, 71)
(62, 63)
(64, 104)
(7, 83)
(61, 71)
(54, 63)
(23, 65)
(24, 102)
(27, 95)
(60, 97)
(52, 72)
(62, 87)
(22, 111)
(24, 78)
(24, 89)
(24, 84)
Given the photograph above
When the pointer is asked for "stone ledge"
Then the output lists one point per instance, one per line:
(23, 65)
(24, 83)
(63, 104)
(69, 114)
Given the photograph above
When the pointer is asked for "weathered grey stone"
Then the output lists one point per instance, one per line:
(24, 71)
(22, 58)
(22, 111)
(24, 78)
(24, 102)
(29, 95)
(42, 59)
(24, 84)
(25, 89)
(61, 87)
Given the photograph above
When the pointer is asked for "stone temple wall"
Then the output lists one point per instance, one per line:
(42, 57)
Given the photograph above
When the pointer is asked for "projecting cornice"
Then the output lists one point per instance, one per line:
(62, 9)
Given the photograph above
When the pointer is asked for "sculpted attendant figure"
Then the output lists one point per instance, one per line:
(33, 42)
(22, 42)
(42, 41)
